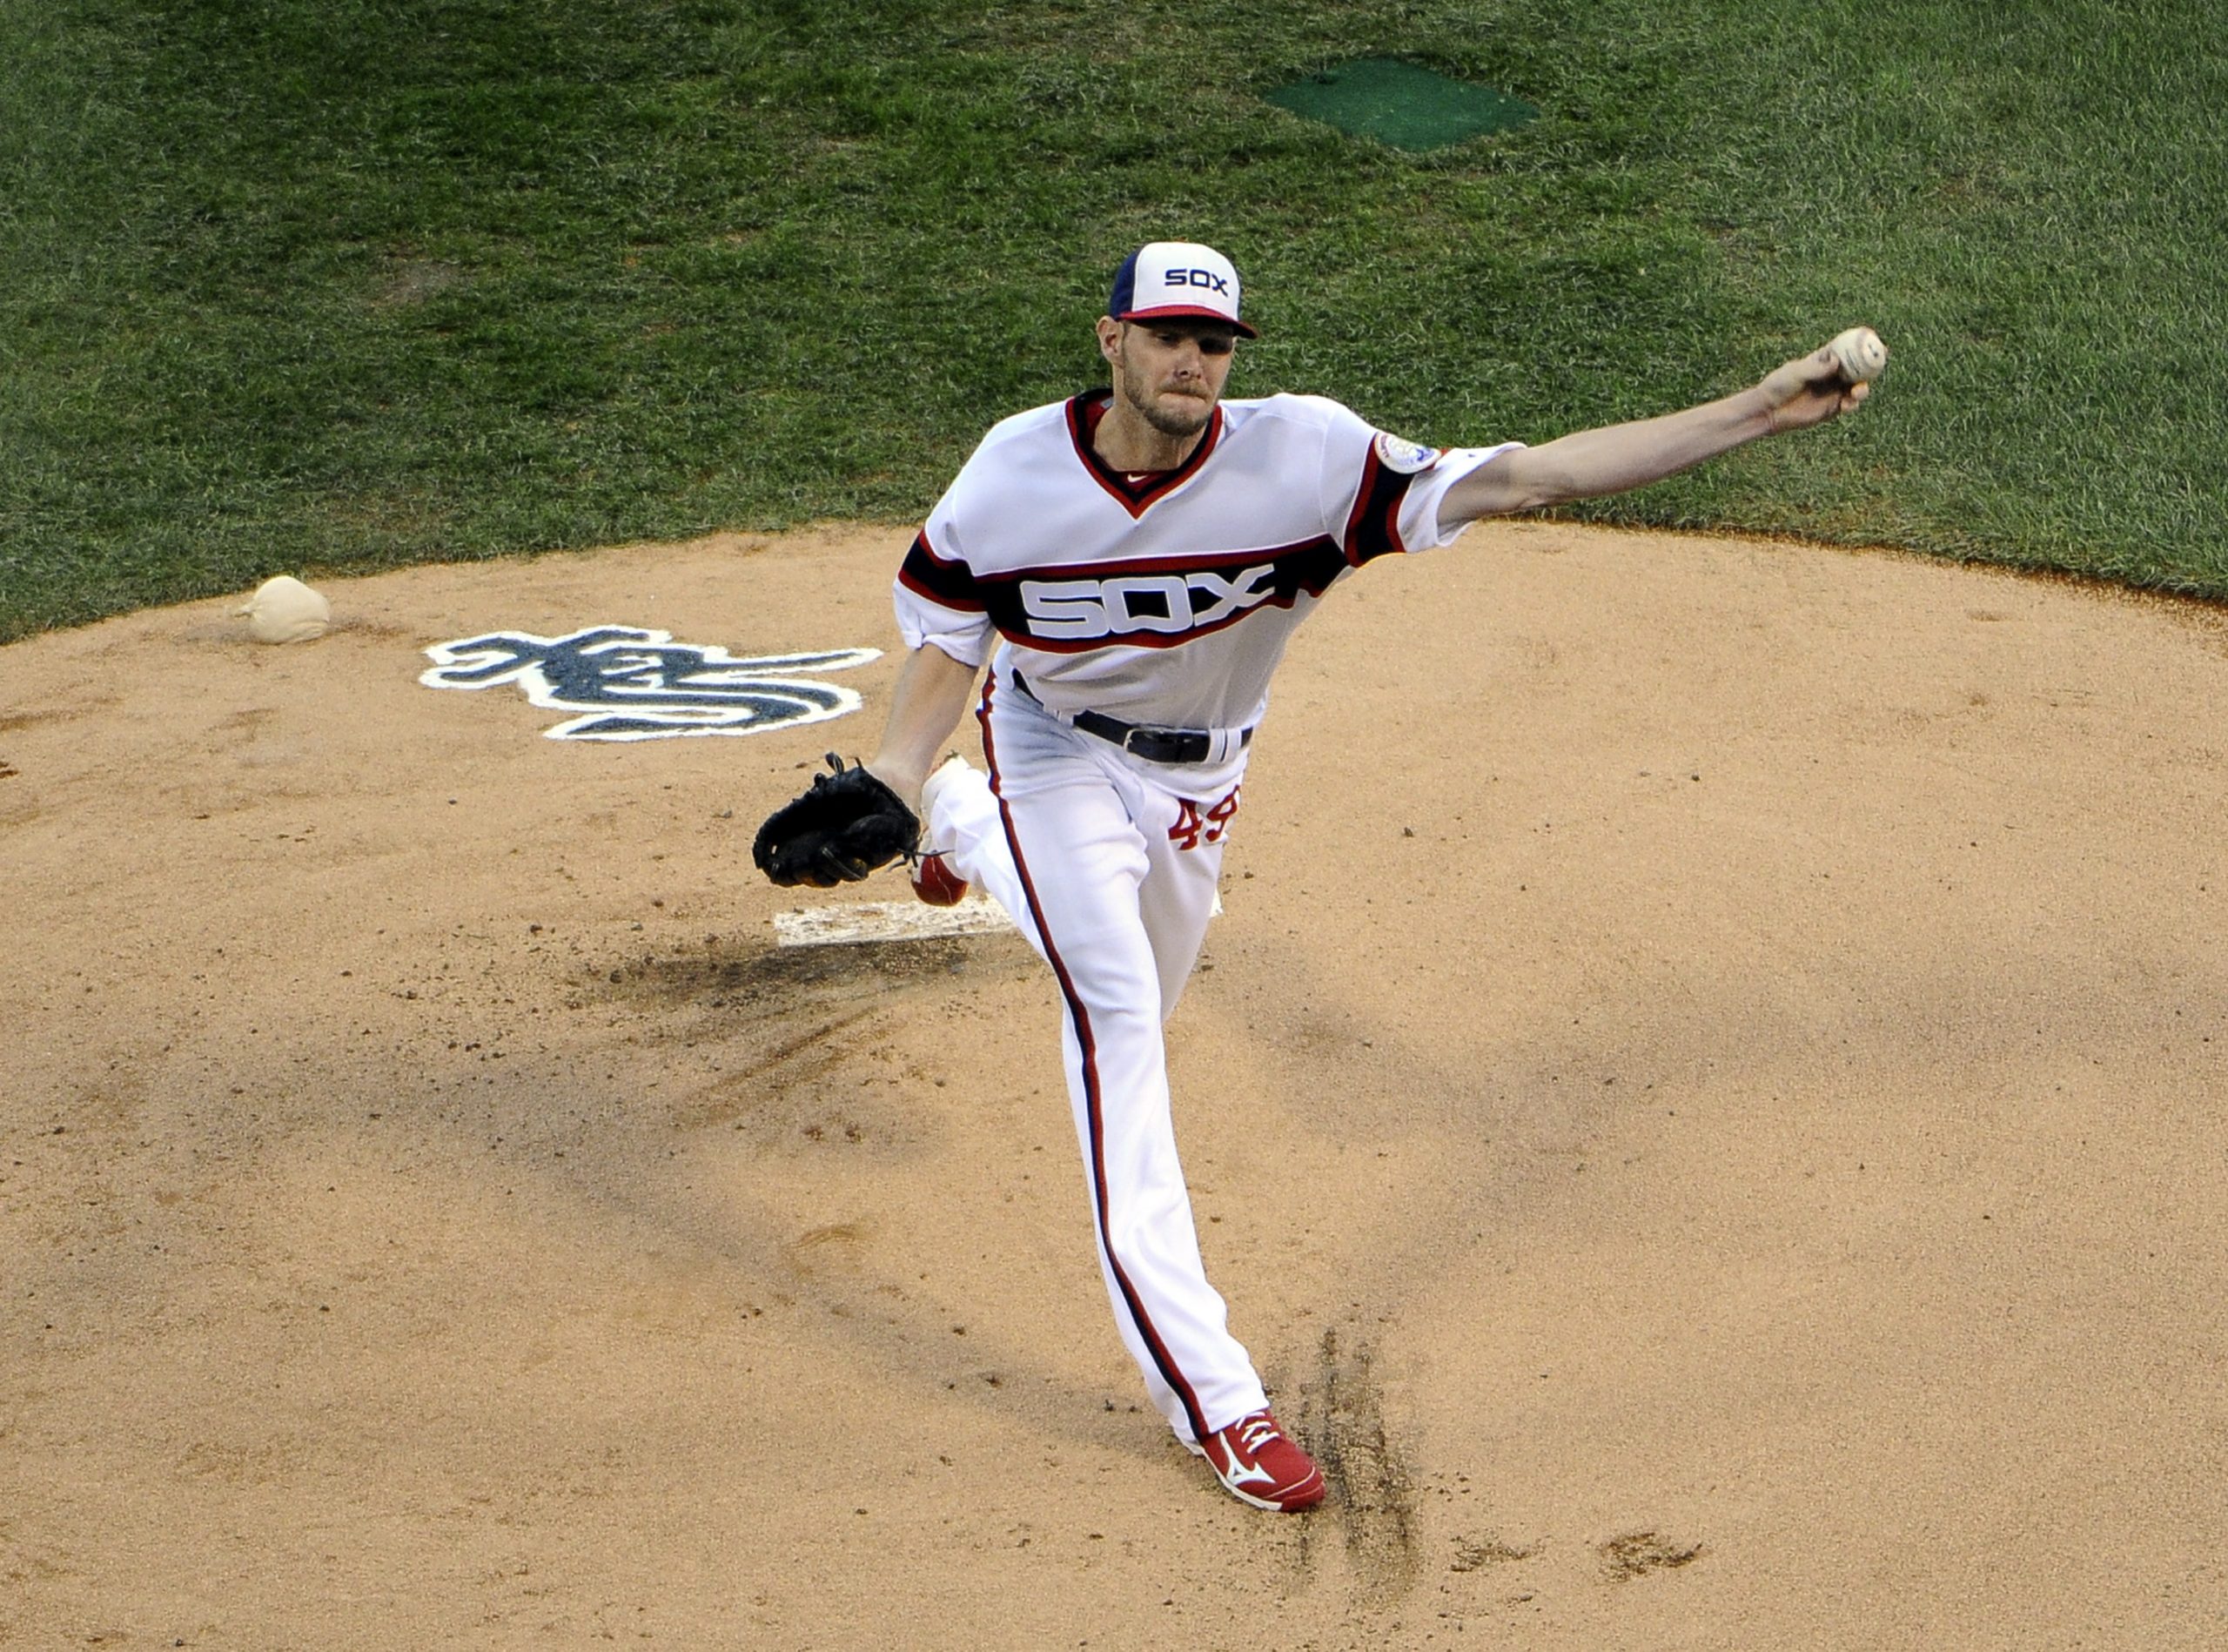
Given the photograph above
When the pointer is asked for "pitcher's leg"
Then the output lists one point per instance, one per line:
(1079, 860)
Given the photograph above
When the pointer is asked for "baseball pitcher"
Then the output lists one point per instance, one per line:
(1129, 565)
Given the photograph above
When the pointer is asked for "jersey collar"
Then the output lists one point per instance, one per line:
(1137, 495)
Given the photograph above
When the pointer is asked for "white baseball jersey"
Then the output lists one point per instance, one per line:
(1163, 597)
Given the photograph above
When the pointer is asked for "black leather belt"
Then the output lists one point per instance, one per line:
(1154, 745)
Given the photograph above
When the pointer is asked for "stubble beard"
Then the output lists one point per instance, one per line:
(1186, 420)
(1188, 417)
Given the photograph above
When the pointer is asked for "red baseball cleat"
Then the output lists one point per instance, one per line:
(1258, 1464)
(936, 882)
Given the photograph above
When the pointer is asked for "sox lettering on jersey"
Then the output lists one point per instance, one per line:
(1070, 609)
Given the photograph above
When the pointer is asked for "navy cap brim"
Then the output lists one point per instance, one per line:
(1190, 312)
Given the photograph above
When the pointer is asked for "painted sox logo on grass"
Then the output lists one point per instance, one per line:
(630, 683)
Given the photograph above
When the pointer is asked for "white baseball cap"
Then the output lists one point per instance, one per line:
(1177, 279)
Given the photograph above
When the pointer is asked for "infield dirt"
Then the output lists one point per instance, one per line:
(1705, 1101)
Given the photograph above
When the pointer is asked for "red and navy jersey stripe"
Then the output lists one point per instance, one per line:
(946, 581)
(1373, 529)
(1148, 591)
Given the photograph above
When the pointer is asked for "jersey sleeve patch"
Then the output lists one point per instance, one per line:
(1401, 456)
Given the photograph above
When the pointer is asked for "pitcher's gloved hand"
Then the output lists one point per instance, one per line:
(845, 825)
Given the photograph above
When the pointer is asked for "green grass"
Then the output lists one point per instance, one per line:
(338, 284)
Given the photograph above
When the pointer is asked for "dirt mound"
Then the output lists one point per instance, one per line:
(1706, 1102)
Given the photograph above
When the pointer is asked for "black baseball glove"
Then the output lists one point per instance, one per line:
(846, 824)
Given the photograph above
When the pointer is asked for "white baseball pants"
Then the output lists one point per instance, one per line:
(1111, 872)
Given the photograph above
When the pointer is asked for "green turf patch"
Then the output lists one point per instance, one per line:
(1402, 104)
(320, 286)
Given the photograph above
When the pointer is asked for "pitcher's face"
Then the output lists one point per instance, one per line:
(1172, 371)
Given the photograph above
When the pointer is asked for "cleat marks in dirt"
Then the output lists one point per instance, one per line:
(1637, 1553)
(1474, 1554)
(1372, 1490)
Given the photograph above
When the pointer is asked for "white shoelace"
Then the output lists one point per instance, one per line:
(1257, 1434)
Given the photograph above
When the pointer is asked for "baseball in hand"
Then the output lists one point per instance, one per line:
(1859, 353)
